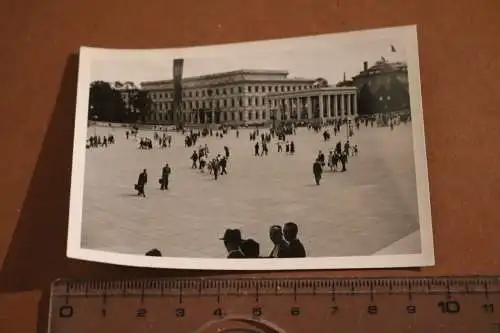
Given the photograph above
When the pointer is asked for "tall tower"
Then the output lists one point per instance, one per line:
(177, 103)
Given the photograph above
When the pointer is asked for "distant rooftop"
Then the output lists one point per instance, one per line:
(383, 66)
(272, 72)
(127, 85)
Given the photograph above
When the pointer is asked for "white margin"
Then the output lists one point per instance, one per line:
(425, 258)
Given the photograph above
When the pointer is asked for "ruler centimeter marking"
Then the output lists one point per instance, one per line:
(471, 299)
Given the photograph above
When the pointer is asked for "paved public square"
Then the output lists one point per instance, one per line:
(359, 212)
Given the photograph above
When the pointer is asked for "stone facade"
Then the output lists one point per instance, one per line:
(383, 87)
(250, 97)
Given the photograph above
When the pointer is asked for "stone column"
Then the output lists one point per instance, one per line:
(335, 106)
(355, 104)
(349, 104)
(309, 107)
(298, 108)
(321, 106)
(329, 106)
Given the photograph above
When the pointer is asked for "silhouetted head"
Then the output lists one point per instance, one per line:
(232, 239)
(276, 234)
(250, 248)
(290, 231)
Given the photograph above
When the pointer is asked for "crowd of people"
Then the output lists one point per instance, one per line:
(96, 141)
(284, 239)
(215, 164)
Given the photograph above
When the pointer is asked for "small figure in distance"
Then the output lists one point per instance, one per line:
(317, 171)
(141, 182)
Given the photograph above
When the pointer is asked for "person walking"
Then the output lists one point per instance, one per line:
(141, 183)
(165, 174)
(317, 171)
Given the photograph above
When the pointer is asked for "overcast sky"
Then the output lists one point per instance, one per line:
(327, 56)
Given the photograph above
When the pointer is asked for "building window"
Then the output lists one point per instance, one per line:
(224, 91)
(249, 89)
(257, 115)
(240, 89)
(249, 115)
(264, 115)
(241, 115)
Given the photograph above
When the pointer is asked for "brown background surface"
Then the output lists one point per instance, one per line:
(460, 65)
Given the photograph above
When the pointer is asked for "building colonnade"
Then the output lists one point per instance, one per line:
(326, 104)
(311, 105)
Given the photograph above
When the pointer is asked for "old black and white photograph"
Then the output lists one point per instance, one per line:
(284, 154)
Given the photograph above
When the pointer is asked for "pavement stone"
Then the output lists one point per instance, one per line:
(359, 212)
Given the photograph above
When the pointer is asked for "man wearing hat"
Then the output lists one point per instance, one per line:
(232, 241)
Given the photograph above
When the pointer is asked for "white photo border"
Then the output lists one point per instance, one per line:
(425, 258)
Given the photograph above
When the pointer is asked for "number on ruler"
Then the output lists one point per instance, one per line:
(449, 307)
(66, 311)
(488, 308)
(141, 313)
(218, 312)
(180, 312)
(411, 309)
(295, 311)
(257, 312)
(372, 309)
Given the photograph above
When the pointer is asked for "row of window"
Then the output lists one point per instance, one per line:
(239, 116)
(207, 92)
(223, 103)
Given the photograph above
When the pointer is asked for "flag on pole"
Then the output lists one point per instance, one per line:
(393, 49)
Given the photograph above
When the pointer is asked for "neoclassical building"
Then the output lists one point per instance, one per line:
(251, 96)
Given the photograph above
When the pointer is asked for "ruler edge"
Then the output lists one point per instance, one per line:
(55, 283)
(429, 278)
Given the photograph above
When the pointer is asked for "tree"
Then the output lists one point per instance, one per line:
(105, 103)
(142, 103)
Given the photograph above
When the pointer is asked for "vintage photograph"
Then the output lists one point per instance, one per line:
(284, 154)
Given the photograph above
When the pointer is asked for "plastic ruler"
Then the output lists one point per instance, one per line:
(278, 305)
